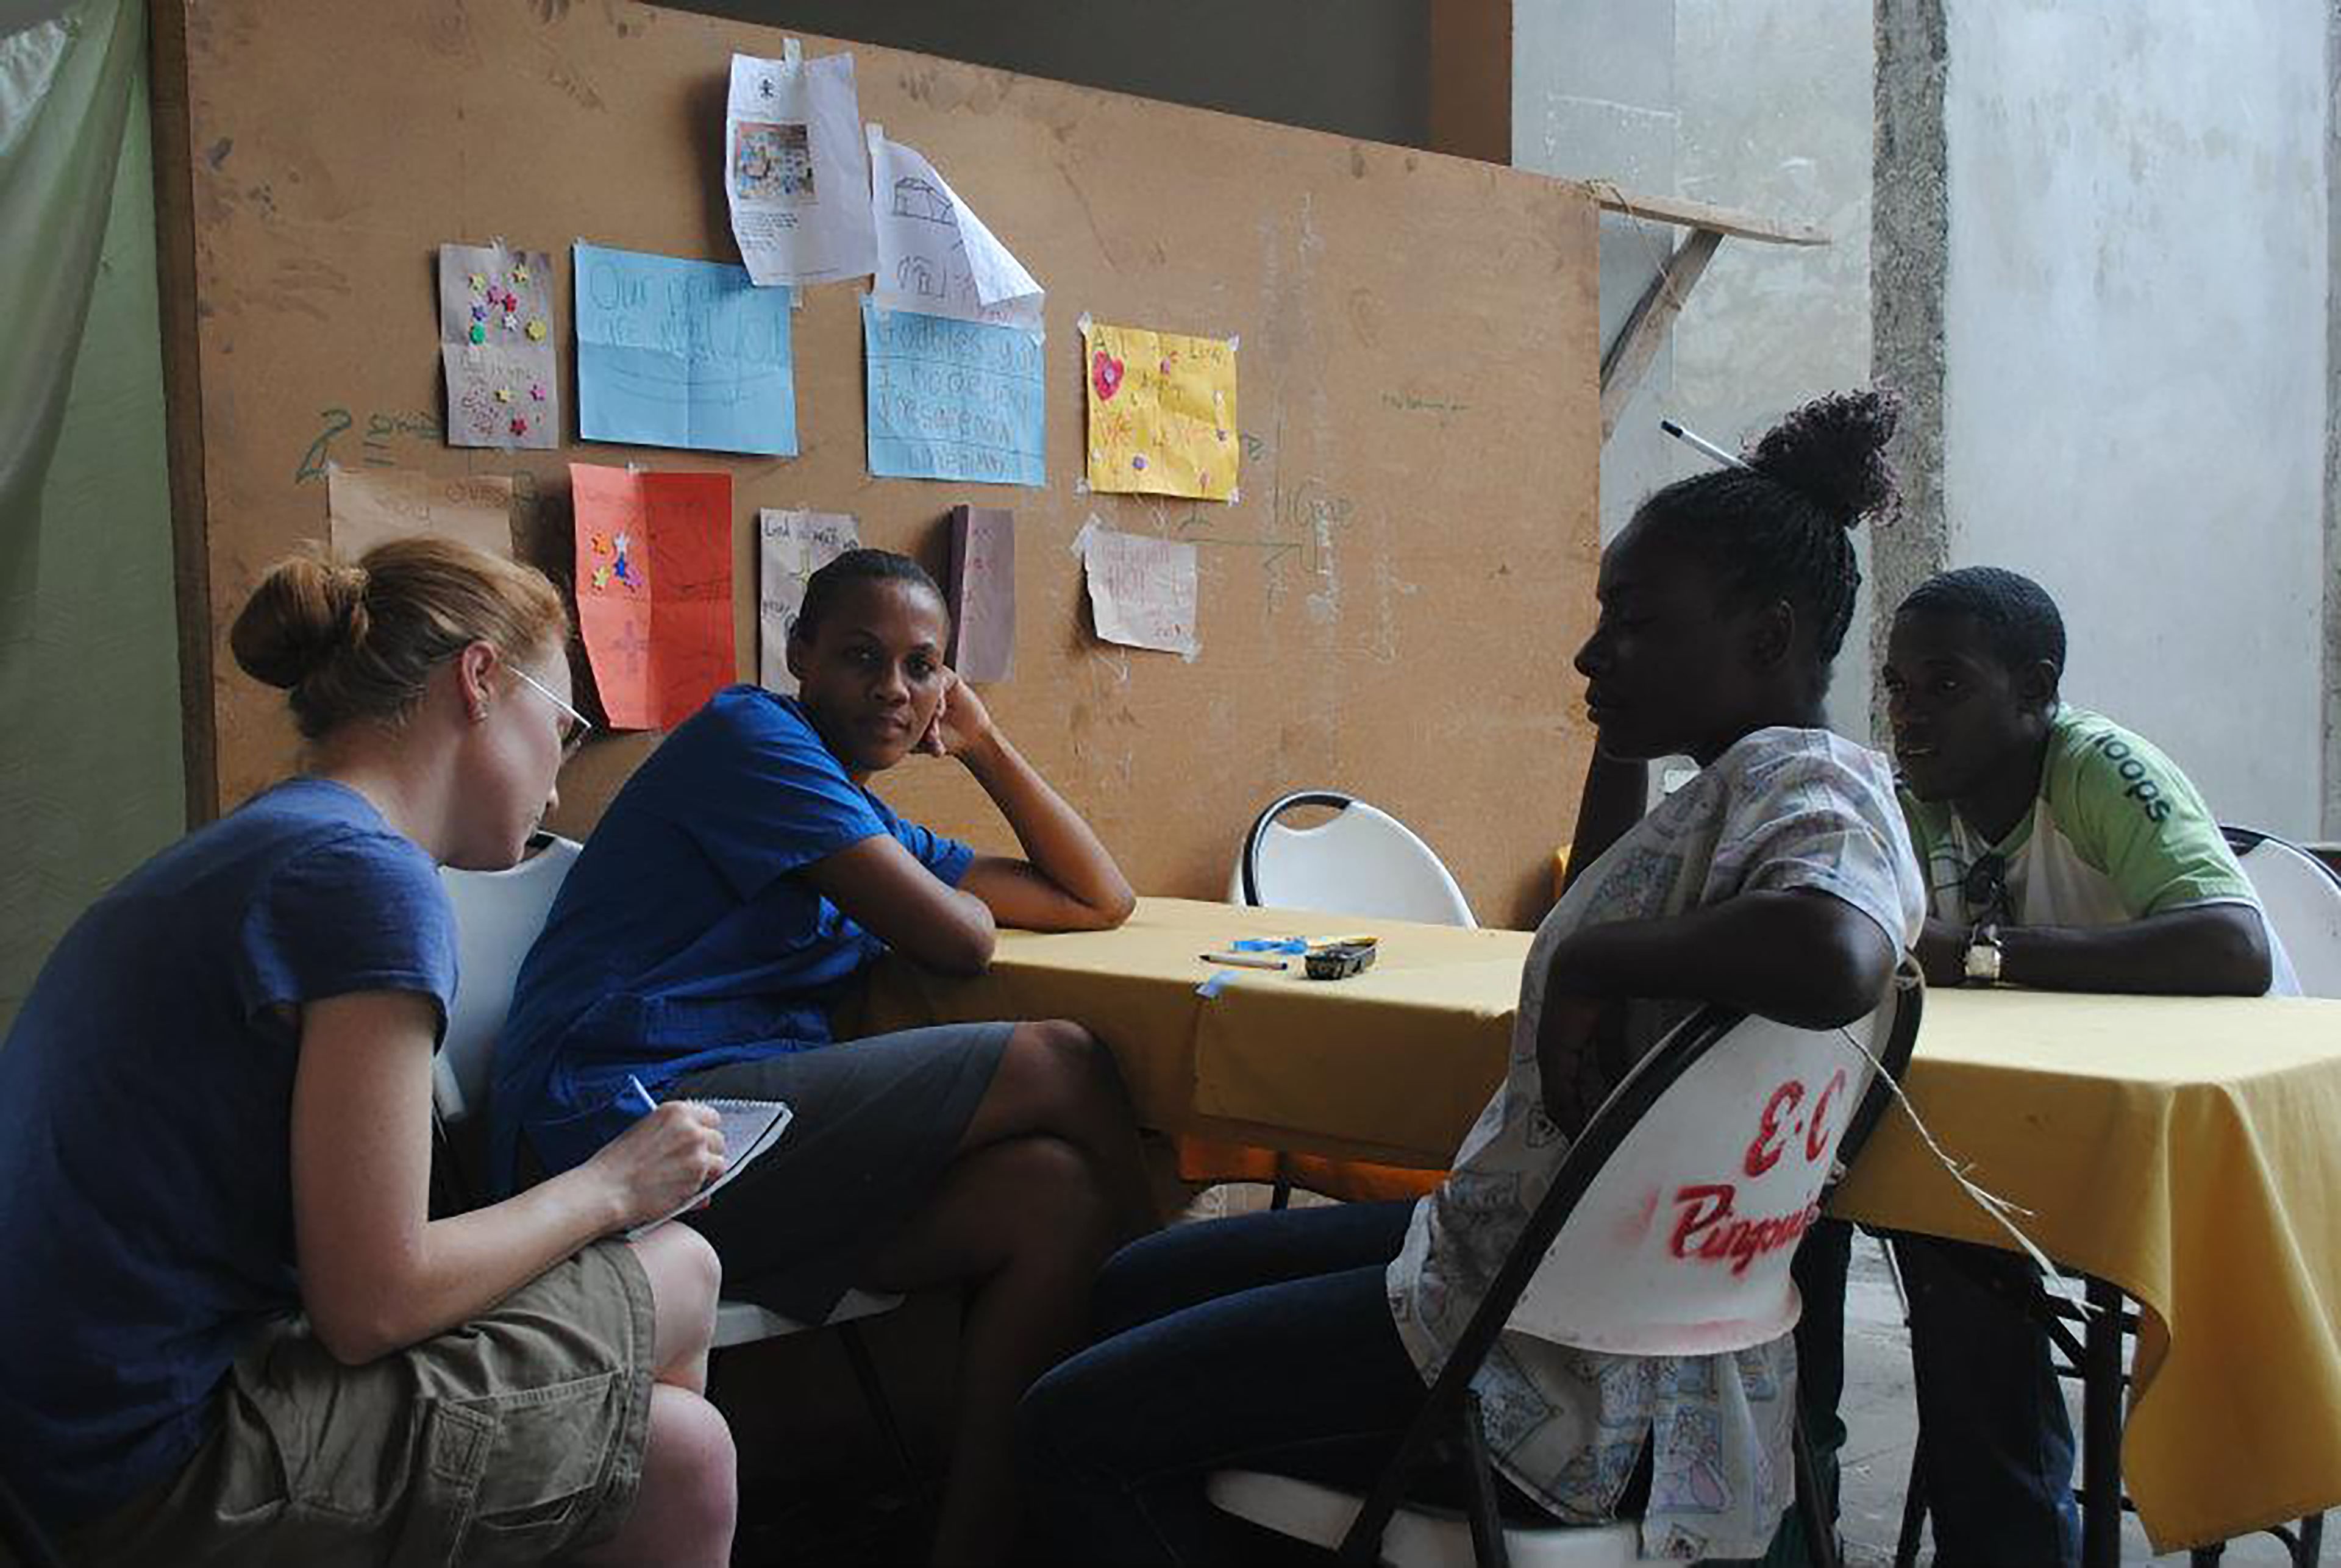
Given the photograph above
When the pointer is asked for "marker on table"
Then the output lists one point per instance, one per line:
(641, 1094)
(1701, 443)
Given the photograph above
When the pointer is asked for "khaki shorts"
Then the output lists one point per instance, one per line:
(516, 1437)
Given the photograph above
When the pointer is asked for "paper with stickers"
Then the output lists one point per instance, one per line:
(795, 172)
(366, 506)
(495, 342)
(1162, 412)
(934, 254)
(678, 352)
(1142, 589)
(792, 546)
(654, 590)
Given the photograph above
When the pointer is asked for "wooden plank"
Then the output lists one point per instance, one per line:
(1471, 78)
(1638, 341)
(1419, 402)
(175, 249)
(1701, 216)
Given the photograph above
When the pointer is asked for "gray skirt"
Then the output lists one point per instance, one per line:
(877, 1121)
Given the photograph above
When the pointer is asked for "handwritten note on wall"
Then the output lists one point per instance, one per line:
(982, 593)
(1162, 412)
(496, 343)
(791, 547)
(1141, 590)
(654, 590)
(363, 508)
(675, 352)
(953, 399)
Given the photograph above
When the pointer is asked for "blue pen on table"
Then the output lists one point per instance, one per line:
(641, 1094)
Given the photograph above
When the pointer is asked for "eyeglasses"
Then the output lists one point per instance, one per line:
(1985, 886)
(580, 726)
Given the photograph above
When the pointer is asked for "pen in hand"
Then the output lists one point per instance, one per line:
(641, 1094)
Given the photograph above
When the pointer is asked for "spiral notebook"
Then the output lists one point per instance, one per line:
(750, 1127)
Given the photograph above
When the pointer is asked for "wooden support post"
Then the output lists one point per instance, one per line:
(1638, 342)
(1472, 79)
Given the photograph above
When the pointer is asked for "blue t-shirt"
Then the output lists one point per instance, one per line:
(682, 939)
(145, 1127)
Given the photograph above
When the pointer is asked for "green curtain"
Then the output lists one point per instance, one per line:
(91, 774)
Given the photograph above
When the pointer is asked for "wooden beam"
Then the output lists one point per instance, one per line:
(175, 252)
(1630, 357)
(1472, 79)
(1701, 216)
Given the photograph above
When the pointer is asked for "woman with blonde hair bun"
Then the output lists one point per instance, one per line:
(240, 1336)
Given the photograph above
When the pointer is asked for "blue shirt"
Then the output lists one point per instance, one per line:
(682, 939)
(146, 1118)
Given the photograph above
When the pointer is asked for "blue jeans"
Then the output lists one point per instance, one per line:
(1263, 1342)
(1996, 1450)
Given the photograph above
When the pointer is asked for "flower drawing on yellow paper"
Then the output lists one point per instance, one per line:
(1162, 412)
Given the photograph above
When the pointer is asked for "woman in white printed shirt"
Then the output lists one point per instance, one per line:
(1779, 880)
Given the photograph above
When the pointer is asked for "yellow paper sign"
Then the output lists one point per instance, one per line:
(1162, 412)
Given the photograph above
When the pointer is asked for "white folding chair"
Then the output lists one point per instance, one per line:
(498, 916)
(1733, 1120)
(2302, 895)
(1362, 861)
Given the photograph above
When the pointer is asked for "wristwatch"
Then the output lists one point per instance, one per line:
(1981, 965)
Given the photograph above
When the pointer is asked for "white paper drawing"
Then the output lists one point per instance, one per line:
(794, 169)
(793, 545)
(934, 254)
(1142, 589)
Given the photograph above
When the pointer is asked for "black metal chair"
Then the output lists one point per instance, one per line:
(1685, 1108)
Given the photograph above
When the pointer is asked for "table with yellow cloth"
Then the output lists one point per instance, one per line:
(2186, 1150)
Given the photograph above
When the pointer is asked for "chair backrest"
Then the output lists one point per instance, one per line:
(2302, 896)
(1699, 1174)
(1361, 861)
(498, 915)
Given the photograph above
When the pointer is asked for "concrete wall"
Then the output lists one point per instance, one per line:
(1759, 104)
(2135, 371)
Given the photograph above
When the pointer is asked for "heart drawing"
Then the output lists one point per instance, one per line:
(1105, 374)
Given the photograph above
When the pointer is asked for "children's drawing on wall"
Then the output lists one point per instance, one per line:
(1142, 590)
(792, 546)
(366, 506)
(653, 584)
(675, 352)
(952, 399)
(1162, 412)
(773, 163)
(934, 254)
(795, 172)
(496, 343)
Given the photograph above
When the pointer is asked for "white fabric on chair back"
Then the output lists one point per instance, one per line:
(2302, 897)
(498, 915)
(1681, 1245)
(1362, 861)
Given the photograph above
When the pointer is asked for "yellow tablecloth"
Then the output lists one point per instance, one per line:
(2189, 1151)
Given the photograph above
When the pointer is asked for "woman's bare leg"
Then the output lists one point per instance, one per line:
(1056, 1079)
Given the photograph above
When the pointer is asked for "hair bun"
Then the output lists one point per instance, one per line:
(304, 613)
(1832, 451)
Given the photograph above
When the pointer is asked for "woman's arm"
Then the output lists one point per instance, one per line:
(1802, 957)
(377, 1273)
(1066, 881)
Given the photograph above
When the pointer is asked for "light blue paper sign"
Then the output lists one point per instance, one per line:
(953, 399)
(673, 353)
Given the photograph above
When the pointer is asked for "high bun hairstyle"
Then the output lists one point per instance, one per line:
(1781, 527)
(358, 642)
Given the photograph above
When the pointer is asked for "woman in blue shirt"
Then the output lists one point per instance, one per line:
(238, 1334)
(733, 894)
